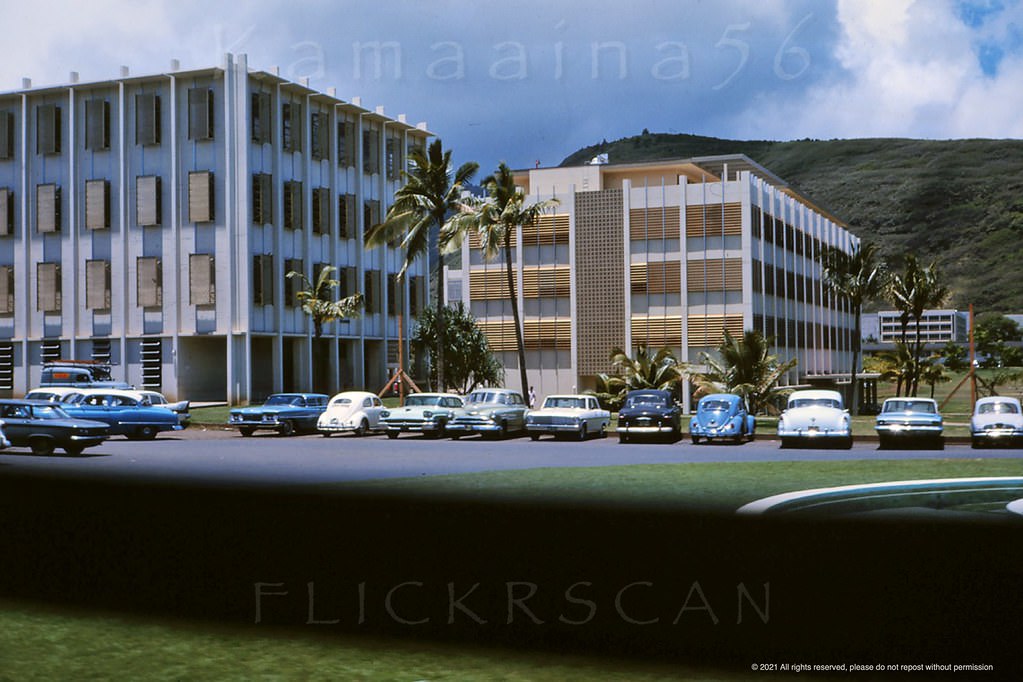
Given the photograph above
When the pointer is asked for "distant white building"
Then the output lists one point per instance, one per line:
(936, 326)
(150, 221)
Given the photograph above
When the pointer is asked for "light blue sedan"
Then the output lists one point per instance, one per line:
(127, 412)
(722, 416)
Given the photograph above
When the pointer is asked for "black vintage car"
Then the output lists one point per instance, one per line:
(45, 426)
(649, 412)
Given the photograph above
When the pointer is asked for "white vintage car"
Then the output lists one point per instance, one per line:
(426, 413)
(996, 419)
(355, 411)
(579, 415)
(815, 415)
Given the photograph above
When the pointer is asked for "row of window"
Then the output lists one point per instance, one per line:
(262, 207)
(774, 281)
(785, 236)
(789, 333)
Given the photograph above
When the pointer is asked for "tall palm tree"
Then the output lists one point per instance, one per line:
(316, 300)
(430, 194)
(746, 367)
(858, 277)
(913, 292)
(496, 220)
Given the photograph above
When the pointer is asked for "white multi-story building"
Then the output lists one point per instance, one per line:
(661, 254)
(936, 326)
(151, 220)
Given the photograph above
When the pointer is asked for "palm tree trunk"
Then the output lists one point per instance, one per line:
(441, 321)
(515, 312)
(917, 349)
(854, 404)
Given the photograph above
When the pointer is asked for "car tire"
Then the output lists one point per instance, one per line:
(750, 437)
(695, 439)
(939, 443)
(362, 429)
(623, 438)
(326, 434)
(286, 429)
(975, 443)
(247, 431)
(456, 436)
(534, 437)
(503, 435)
(392, 434)
(582, 432)
(147, 432)
(74, 450)
(41, 446)
(882, 443)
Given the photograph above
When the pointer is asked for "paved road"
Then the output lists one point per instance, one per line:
(216, 456)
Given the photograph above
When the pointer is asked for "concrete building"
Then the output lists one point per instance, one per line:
(936, 326)
(662, 254)
(150, 221)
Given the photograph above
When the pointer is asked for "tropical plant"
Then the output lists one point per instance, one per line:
(467, 357)
(610, 392)
(913, 292)
(893, 366)
(934, 372)
(662, 370)
(496, 221)
(999, 377)
(744, 366)
(430, 194)
(315, 298)
(992, 333)
(858, 277)
(953, 356)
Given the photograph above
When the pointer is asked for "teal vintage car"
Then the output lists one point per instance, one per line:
(285, 413)
(426, 413)
(128, 413)
(494, 412)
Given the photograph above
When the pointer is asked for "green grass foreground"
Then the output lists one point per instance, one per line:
(721, 486)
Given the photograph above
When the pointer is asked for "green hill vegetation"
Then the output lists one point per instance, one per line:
(959, 202)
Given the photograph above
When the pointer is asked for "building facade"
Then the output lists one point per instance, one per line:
(151, 221)
(661, 254)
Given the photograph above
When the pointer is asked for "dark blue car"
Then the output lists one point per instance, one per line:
(285, 413)
(128, 413)
(722, 416)
(648, 413)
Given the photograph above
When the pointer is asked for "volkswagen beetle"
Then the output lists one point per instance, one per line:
(722, 416)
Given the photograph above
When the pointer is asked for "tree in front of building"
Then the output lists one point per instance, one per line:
(954, 356)
(431, 193)
(316, 299)
(913, 292)
(468, 360)
(609, 392)
(497, 220)
(857, 277)
(661, 370)
(992, 334)
(744, 366)
(893, 366)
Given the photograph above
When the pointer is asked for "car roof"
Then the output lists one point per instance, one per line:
(126, 392)
(569, 395)
(720, 396)
(442, 395)
(28, 401)
(816, 393)
(494, 390)
(914, 399)
(57, 390)
(998, 399)
(648, 391)
(350, 394)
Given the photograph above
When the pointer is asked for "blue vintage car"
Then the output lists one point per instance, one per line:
(285, 413)
(722, 416)
(128, 413)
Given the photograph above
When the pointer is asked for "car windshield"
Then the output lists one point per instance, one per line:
(918, 406)
(997, 408)
(48, 412)
(420, 400)
(648, 399)
(713, 405)
(484, 397)
(341, 401)
(565, 402)
(42, 395)
(815, 402)
(283, 400)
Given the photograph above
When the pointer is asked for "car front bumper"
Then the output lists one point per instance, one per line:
(553, 428)
(476, 427)
(411, 425)
(998, 434)
(647, 429)
(812, 433)
(908, 431)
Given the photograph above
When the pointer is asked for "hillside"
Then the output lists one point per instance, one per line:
(959, 202)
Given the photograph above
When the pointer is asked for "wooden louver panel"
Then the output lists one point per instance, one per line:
(713, 220)
(97, 124)
(714, 274)
(48, 297)
(657, 331)
(546, 333)
(662, 277)
(500, 334)
(292, 285)
(319, 137)
(291, 127)
(48, 208)
(547, 230)
(149, 274)
(6, 289)
(6, 212)
(97, 284)
(488, 284)
(346, 216)
(201, 287)
(544, 281)
(97, 204)
(293, 205)
(707, 331)
(200, 197)
(654, 223)
(48, 129)
(148, 200)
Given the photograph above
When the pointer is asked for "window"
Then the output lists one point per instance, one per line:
(346, 143)
(48, 287)
(321, 210)
(347, 281)
(293, 285)
(370, 213)
(293, 205)
(47, 208)
(262, 128)
(6, 289)
(149, 284)
(6, 135)
(6, 212)
(97, 284)
(48, 129)
(201, 279)
(200, 197)
(263, 279)
(147, 119)
(318, 129)
(148, 200)
(97, 124)
(346, 215)
(262, 198)
(370, 152)
(393, 158)
(416, 295)
(393, 295)
(371, 290)
(97, 204)
(291, 127)
(200, 114)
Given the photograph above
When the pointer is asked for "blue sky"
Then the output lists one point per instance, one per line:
(534, 81)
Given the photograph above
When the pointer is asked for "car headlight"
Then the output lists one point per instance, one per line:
(235, 417)
(385, 414)
(427, 414)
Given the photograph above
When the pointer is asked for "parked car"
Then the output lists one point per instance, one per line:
(577, 415)
(54, 394)
(179, 408)
(285, 413)
(996, 419)
(649, 412)
(490, 411)
(355, 411)
(721, 416)
(426, 413)
(127, 413)
(815, 415)
(79, 373)
(909, 420)
(4, 443)
(44, 426)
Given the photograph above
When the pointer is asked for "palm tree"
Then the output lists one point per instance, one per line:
(315, 299)
(496, 220)
(745, 367)
(430, 194)
(858, 277)
(913, 292)
(661, 370)
(894, 366)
